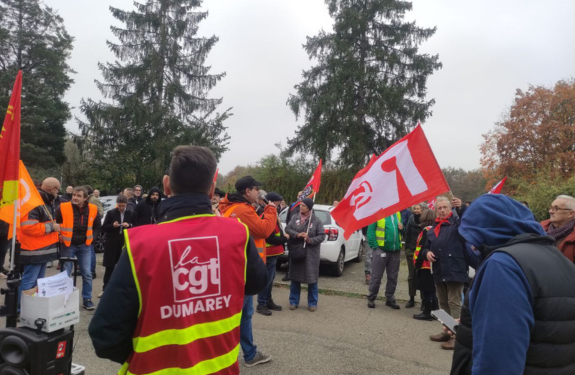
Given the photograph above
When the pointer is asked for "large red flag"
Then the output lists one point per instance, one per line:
(10, 146)
(497, 188)
(312, 186)
(405, 174)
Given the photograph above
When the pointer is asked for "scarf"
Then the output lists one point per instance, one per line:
(304, 217)
(439, 222)
(562, 231)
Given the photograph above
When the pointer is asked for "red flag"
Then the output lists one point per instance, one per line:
(312, 186)
(497, 188)
(216, 175)
(10, 146)
(431, 204)
(405, 174)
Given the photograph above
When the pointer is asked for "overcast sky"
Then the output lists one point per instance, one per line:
(488, 49)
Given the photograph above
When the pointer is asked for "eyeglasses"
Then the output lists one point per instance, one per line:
(555, 209)
(137, 190)
(255, 188)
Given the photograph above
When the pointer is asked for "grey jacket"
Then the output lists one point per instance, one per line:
(306, 271)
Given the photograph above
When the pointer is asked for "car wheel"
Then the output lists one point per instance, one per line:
(339, 264)
(359, 253)
(99, 242)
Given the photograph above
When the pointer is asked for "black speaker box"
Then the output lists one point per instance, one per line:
(23, 351)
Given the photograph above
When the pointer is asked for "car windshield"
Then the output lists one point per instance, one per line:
(324, 216)
(108, 203)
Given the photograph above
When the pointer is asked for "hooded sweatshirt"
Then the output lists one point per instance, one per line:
(148, 212)
(500, 299)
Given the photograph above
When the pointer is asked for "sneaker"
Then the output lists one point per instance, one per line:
(286, 278)
(49, 265)
(258, 359)
(392, 304)
(88, 305)
(261, 309)
(371, 304)
(312, 308)
(272, 306)
(292, 307)
(100, 294)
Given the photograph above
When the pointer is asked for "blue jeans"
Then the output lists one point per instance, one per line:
(84, 254)
(265, 295)
(246, 335)
(295, 292)
(32, 272)
(93, 260)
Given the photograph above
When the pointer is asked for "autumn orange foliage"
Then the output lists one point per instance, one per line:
(536, 136)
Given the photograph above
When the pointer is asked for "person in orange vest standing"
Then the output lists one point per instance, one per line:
(239, 206)
(39, 236)
(78, 220)
(175, 298)
(274, 248)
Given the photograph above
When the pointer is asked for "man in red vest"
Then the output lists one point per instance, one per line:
(176, 296)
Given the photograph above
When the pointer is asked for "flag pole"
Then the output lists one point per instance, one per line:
(13, 250)
(309, 222)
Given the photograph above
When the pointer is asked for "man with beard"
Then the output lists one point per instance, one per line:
(39, 236)
(147, 210)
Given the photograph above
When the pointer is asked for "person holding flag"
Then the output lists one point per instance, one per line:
(305, 230)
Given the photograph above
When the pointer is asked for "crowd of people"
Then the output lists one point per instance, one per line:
(203, 243)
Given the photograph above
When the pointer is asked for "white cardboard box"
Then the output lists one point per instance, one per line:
(52, 309)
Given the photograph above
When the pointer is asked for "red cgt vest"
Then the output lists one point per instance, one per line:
(190, 276)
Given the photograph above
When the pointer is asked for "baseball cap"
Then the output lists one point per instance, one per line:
(246, 183)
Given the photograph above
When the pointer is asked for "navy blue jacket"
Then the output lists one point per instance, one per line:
(449, 251)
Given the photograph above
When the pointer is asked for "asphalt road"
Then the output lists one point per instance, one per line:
(342, 337)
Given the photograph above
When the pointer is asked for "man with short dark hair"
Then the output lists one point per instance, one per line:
(239, 206)
(78, 221)
(157, 301)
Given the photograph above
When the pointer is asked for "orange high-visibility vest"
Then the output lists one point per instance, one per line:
(190, 276)
(260, 244)
(67, 227)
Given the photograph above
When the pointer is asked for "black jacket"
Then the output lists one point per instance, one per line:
(449, 250)
(114, 322)
(115, 236)
(80, 223)
(552, 338)
(412, 230)
(147, 211)
(132, 204)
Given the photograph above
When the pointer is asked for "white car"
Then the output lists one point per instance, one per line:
(335, 250)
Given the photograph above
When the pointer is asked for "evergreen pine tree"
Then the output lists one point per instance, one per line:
(33, 39)
(157, 94)
(368, 87)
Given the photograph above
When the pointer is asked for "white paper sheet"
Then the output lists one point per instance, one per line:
(55, 285)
